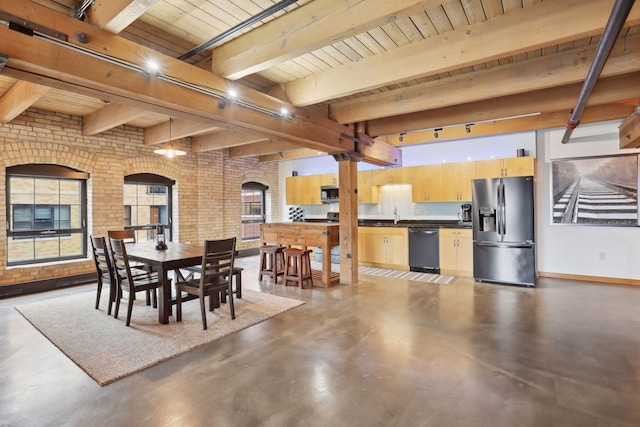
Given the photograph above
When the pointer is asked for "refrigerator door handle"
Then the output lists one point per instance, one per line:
(504, 245)
(500, 209)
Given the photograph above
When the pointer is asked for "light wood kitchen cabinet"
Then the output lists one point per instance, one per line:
(426, 183)
(456, 181)
(386, 247)
(328, 179)
(456, 251)
(514, 166)
(391, 176)
(303, 190)
(367, 192)
(520, 166)
(293, 190)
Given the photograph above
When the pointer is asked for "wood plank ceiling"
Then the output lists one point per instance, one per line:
(380, 68)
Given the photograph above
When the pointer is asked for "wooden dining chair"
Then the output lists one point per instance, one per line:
(104, 270)
(216, 275)
(129, 236)
(130, 279)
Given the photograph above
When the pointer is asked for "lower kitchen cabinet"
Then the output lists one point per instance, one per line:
(385, 247)
(456, 251)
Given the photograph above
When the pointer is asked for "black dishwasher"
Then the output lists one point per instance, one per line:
(424, 250)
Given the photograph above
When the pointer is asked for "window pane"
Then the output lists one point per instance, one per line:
(71, 244)
(70, 192)
(21, 190)
(22, 218)
(130, 197)
(47, 191)
(20, 249)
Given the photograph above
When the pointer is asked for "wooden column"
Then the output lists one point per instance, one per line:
(348, 179)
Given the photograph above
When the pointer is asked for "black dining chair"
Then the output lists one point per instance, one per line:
(104, 270)
(131, 279)
(216, 276)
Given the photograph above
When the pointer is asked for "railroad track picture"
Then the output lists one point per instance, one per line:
(596, 191)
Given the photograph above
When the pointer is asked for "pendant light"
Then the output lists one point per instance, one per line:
(170, 152)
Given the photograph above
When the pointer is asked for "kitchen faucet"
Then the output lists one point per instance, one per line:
(396, 217)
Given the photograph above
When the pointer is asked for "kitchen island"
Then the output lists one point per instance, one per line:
(305, 234)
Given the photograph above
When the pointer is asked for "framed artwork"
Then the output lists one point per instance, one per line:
(595, 190)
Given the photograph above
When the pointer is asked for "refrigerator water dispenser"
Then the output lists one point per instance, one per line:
(487, 219)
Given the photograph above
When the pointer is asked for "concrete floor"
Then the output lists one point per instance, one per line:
(384, 352)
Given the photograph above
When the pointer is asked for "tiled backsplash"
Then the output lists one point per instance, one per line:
(391, 197)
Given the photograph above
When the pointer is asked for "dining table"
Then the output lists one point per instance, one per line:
(176, 256)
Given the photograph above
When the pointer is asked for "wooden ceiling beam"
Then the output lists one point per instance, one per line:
(177, 128)
(303, 30)
(225, 139)
(116, 15)
(18, 98)
(264, 148)
(557, 69)
(302, 153)
(593, 114)
(521, 30)
(109, 117)
(608, 90)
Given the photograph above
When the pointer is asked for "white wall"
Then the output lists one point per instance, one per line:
(575, 249)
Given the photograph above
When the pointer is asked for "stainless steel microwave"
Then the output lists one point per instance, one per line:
(329, 194)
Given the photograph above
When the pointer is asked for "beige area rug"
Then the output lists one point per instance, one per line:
(107, 350)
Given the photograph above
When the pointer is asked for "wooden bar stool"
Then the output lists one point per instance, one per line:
(271, 262)
(297, 267)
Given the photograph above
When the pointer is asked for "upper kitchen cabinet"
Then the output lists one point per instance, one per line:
(328, 179)
(391, 176)
(456, 181)
(293, 190)
(515, 166)
(367, 192)
(520, 166)
(303, 190)
(426, 183)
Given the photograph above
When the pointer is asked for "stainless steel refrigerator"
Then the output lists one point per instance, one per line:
(504, 249)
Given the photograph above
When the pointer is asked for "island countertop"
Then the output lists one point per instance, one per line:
(320, 234)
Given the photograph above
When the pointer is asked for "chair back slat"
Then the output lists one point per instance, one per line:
(129, 236)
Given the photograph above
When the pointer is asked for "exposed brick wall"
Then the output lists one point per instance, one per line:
(206, 197)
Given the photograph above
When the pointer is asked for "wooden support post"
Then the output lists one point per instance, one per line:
(348, 181)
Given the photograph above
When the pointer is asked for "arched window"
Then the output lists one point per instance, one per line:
(253, 209)
(47, 213)
(147, 203)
